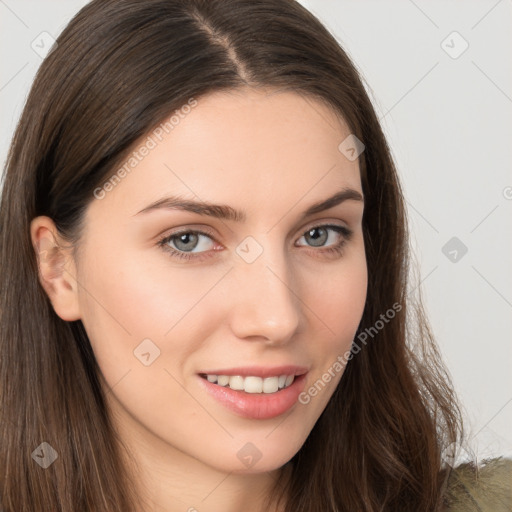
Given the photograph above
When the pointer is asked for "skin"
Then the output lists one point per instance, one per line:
(271, 154)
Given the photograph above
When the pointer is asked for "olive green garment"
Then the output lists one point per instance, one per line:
(486, 488)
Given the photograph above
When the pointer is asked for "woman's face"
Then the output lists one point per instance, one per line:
(177, 303)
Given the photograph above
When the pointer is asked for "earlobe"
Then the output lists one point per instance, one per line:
(56, 268)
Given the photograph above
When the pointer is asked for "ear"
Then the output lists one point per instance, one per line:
(57, 271)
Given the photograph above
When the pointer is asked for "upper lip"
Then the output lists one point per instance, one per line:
(259, 371)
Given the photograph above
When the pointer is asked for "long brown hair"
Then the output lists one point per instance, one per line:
(118, 70)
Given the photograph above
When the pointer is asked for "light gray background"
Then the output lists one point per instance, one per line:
(449, 124)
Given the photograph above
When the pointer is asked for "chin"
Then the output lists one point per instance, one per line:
(266, 452)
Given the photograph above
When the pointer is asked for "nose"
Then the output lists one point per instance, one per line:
(265, 305)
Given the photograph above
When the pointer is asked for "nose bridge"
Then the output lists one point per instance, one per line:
(266, 303)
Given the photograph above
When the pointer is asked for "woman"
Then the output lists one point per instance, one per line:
(204, 287)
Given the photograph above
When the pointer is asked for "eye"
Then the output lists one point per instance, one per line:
(185, 243)
(193, 244)
(319, 235)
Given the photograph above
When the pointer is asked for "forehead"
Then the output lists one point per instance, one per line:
(248, 148)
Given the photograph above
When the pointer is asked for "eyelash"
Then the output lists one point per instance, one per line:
(333, 250)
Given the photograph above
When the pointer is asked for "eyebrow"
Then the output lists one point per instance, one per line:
(225, 212)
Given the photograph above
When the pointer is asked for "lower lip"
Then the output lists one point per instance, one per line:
(257, 406)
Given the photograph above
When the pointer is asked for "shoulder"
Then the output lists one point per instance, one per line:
(480, 488)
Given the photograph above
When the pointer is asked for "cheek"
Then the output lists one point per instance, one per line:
(144, 323)
(128, 300)
(339, 301)
(339, 306)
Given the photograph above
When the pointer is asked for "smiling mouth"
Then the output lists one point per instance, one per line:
(251, 384)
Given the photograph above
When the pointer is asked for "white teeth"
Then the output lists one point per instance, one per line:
(222, 380)
(270, 384)
(236, 382)
(252, 384)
